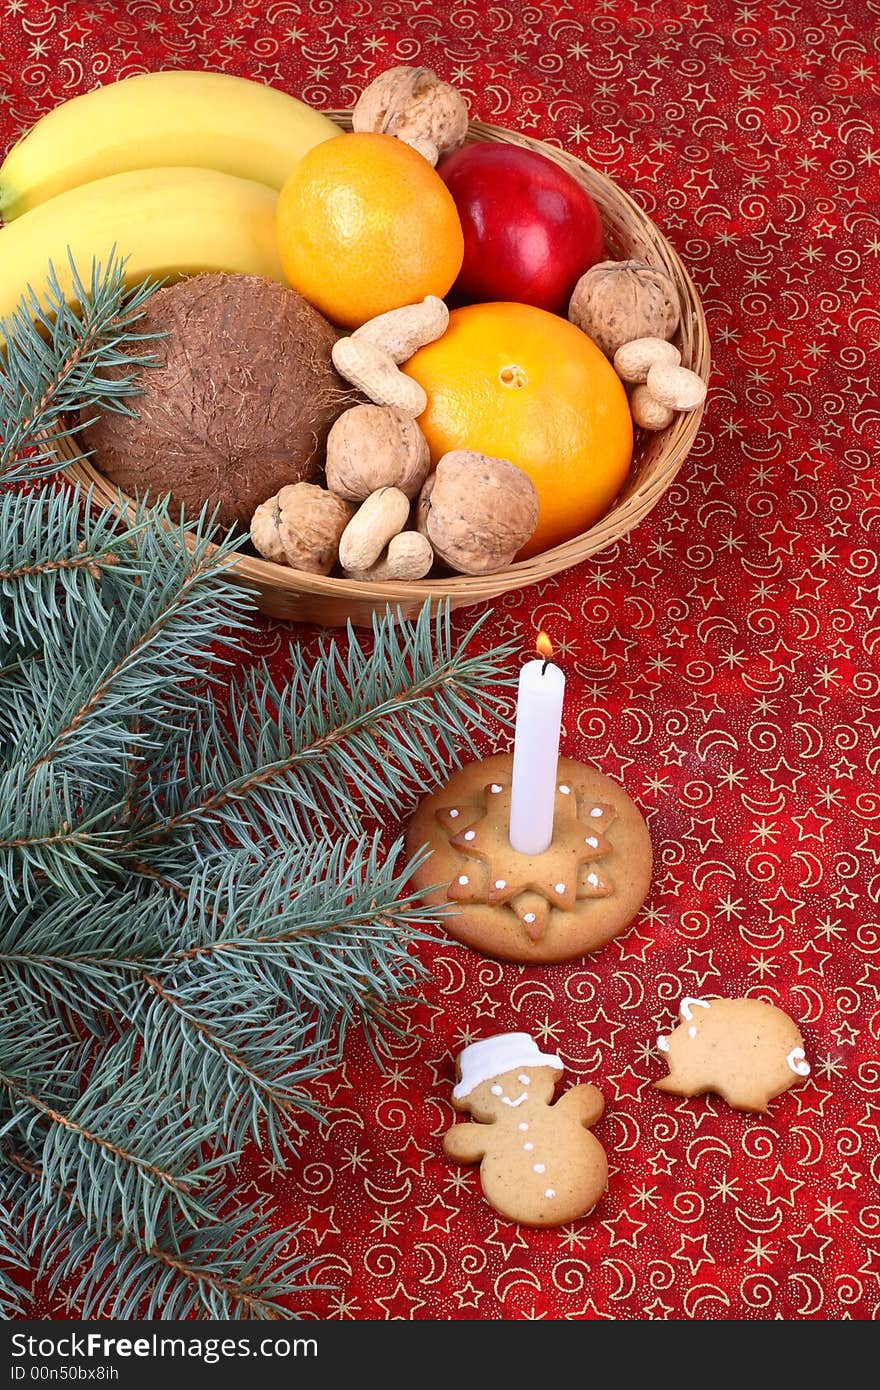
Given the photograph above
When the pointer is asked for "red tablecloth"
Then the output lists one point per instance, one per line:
(720, 663)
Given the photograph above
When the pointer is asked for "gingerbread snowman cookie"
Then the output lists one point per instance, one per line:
(539, 1165)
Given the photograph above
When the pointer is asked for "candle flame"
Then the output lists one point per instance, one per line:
(543, 646)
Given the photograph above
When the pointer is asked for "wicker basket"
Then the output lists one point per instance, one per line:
(330, 602)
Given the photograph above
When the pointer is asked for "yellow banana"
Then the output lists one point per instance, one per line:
(158, 119)
(167, 222)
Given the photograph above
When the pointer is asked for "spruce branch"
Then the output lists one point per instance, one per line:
(79, 954)
(219, 1270)
(14, 1265)
(154, 1155)
(74, 736)
(247, 1085)
(61, 360)
(47, 833)
(197, 899)
(276, 957)
(143, 634)
(54, 551)
(341, 741)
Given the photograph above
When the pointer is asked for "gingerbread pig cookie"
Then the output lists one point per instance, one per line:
(744, 1049)
(570, 900)
(539, 1165)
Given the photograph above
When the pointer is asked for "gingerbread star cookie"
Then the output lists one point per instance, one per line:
(572, 899)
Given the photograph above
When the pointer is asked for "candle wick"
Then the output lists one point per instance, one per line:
(544, 667)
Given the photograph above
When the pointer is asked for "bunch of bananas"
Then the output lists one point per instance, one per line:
(178, 171)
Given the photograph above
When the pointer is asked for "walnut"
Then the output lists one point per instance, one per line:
(617, 301)
(373, 446)
(477, 511)
(414, 105)
(301, 526)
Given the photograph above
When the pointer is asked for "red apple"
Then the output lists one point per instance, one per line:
(530, 231)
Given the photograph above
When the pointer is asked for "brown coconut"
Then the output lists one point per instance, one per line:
(239, 405)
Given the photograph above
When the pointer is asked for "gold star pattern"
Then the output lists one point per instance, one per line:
(400, 1305)
(468, 1296)
(530, 884)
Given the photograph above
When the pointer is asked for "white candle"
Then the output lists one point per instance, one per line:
(536, 756)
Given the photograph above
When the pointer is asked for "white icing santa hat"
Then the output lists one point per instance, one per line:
(494, 1056)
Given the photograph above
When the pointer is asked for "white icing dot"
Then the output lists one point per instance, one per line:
(497, 1090)
(566, 791)
(796, 1059)
(560, 888)
(539, 1168)
(463, 879)
(495, 788)
(684, 1007)
(692, 1032)
(470, 834)
(524, 1080)
(501, 883)
(523, 1126)
(528, 1148)
(663, 1043)
(550, 1192)
(592, 842)
(592, 880)
(453, 813)
(529, 917)
(596, 811)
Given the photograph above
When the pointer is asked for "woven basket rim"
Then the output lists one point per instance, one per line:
(674, 443)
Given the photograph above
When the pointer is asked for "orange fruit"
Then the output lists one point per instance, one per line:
(365, 225)
(522, 384)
